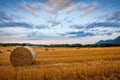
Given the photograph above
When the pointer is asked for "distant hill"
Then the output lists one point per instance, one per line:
(110, 41)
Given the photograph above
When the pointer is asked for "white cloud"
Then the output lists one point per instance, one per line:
(86, 8)
(54, 6)
(32, 8)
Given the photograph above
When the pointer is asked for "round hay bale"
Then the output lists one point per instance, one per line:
(46, 49)
(9, 50)
(53, 49)
(22, 56)
(1, 51)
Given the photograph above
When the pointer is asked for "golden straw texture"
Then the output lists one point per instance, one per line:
(22, 56)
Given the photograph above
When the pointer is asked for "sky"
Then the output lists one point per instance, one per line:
(59, 21)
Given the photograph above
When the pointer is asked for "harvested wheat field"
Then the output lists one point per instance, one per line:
(64, 64)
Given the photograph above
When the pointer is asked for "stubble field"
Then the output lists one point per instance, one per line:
(64, 64)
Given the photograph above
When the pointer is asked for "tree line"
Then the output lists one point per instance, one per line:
(59, 45)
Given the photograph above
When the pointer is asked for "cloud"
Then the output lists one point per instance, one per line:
(4, 35)
(37, 35)
(32, 8)
(54, 6)
(86, 8)
(115, 17)
(42, 27)
(4, 17)
(32, 34)
(76, 26)
(16, 24)
(101, 17)
(94, 29)
(53, 21)
(110, 22)
(103, 24)
(22, 25)
(88, 33)
(78, 34)
(97, 25)
(1, 31)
